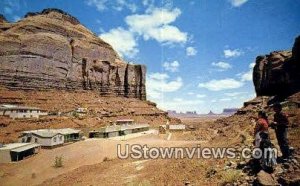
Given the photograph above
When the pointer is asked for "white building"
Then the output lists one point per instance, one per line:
(14, 111)
(178, 127)
(50, 137)
(17, 151)
(164, 128)
(44, 138)
(118, 130)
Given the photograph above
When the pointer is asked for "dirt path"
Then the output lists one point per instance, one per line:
(39, 168)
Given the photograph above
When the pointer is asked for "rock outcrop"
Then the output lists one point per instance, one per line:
(278, 74)
(52, 50)
(2, 19)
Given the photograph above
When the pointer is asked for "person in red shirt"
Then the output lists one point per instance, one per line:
(262, 125)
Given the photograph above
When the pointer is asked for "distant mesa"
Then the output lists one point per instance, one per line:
(230, 111)
(226, 112)
(52, 50)
(211, 113)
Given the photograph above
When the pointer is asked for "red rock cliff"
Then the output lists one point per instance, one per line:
(278, 74)
(52, 50)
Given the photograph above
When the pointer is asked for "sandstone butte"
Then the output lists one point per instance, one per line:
(278, 73)
(52, 50)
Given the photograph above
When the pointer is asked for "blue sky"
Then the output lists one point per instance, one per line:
(199, 53)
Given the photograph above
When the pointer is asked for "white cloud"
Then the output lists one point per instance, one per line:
(223, 84)
(119, 5)
(251, 65)
(200, 95)
(159, 76)
(149, 5)
(159, 83)
(237, 3)
(190, 93)
(156, 25)
(225, 99)
(222, 65)
(180, 104)
(172, 66)
(232, 53)
(122, 41)
(233, 94)
(191, 51)
(247, 76)
(178, 99)
(99, 4)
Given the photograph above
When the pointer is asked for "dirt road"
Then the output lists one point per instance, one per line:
(39, 168)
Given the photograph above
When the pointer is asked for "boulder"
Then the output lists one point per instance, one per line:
(265, 179)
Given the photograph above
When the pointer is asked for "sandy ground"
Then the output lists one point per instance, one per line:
(37, 169)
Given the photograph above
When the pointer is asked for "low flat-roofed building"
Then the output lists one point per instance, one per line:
(118, 130)
(139, 128)
(179, 127)
(17, 151)
(16, 111)
(125, 122)
(69, 134)
(50, 137)
(106, 132)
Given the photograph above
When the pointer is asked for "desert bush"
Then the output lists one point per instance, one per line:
(230, 176)
(58, 162)
(210, 172)
(106, 159)
(75, 114)
(33, 175)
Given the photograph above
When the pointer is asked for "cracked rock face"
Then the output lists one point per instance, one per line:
(278, 73)
(52, 50)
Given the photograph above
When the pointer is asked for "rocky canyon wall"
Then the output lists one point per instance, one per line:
(52, 50)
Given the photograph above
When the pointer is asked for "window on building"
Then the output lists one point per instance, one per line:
(60, 138)
(23, 140)
(35, 140)
(54, 139)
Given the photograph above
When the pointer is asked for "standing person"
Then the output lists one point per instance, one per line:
(280, 124)
(262, 125)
